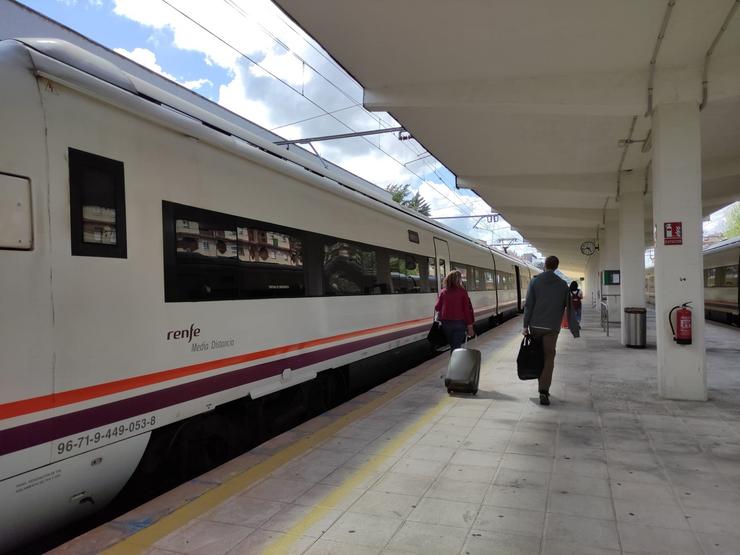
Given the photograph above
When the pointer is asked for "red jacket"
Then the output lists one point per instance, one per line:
(454, 304)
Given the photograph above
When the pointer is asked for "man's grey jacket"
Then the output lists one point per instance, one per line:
(548, 297)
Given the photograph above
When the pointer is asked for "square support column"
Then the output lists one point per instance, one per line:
(592, 289)
(631, 252)
(679, 275)
(609, 260)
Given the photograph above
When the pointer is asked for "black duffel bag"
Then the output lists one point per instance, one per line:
(436, 335)
(531, 358)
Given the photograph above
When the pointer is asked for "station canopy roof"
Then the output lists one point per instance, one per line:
(526, 102)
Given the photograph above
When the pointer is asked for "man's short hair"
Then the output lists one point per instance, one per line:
(552, 263)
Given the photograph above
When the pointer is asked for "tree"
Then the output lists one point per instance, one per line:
(400, 193)
(418, 203)
(733, 222)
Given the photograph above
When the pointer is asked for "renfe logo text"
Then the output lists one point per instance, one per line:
(184, 334)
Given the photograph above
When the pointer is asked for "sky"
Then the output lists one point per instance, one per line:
(247, 56)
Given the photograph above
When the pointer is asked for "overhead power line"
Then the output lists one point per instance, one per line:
(463, 207)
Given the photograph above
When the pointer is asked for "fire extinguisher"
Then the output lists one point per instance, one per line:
(682, 331)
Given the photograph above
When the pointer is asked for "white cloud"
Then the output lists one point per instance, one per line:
(373, 166)
(234, 97)
(284, 66)
(148, 59)
(195, 84)
(236, 31)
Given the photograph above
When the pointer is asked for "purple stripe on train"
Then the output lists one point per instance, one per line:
(34, 433)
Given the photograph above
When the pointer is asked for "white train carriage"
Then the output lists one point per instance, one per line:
(721, 288)
(158, 261)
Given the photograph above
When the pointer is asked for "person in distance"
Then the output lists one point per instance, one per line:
(576, 300)
(455, 310)
(548, 297)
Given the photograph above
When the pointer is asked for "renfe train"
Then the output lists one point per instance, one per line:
(721, 284)
(159, 262)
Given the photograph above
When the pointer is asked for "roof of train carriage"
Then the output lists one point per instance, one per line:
(526, 102)
(732, 242)
(108, 70)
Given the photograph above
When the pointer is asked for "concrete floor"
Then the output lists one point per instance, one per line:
(607, 468)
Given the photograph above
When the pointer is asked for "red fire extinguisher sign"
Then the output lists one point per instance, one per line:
(672, 233)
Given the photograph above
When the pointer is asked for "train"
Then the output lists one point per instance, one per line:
(167, 271)
(721, 287)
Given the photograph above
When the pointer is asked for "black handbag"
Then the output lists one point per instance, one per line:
(531, 359)
(436, 335)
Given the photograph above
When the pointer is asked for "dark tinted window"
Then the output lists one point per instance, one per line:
(731, 276)
(710, 277)
(405, 273)
(429, 274)
(351, 269)
(97, 205)
(480, 279)
(490, 280)
(505, 280)
(464, 271)
(213, 256)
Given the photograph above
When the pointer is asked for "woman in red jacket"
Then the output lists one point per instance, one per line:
(455, 310)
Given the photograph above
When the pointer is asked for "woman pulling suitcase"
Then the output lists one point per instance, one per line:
(455, 310)
(456, 314)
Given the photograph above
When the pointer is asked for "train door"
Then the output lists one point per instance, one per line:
(442, 255)
(518, 288)
(495, 281)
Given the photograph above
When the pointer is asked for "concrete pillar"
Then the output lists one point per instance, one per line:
(631, 252)
(609, 261)
(591, 289)
(678, 268)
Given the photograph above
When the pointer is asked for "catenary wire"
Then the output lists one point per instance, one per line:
(465, 207)
(233, 5)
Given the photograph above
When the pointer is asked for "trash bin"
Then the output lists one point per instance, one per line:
(634, 321)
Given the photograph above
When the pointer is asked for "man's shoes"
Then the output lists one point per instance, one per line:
(544, 398)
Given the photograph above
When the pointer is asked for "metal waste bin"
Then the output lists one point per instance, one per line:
(634, 321)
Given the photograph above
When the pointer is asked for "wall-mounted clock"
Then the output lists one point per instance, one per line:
(588, 248)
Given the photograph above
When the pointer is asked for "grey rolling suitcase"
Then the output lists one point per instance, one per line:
(463, 372)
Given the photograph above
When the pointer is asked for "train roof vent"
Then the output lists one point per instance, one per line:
(81, 59)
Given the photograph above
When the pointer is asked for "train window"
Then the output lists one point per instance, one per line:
(351, 269)
(429, 275)
(731, 276)
(710, 277)
(490, 281)
(270, 263)
(505, 280)
(213, 256)
(405, 273)
(97, 205)
(480, 279)
(463, 272)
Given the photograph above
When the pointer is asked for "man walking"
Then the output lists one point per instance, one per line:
(547, 298)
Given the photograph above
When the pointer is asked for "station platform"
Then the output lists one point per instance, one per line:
(608, 467)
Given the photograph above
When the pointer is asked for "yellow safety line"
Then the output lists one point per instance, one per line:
(316, 513)
(144, 539)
